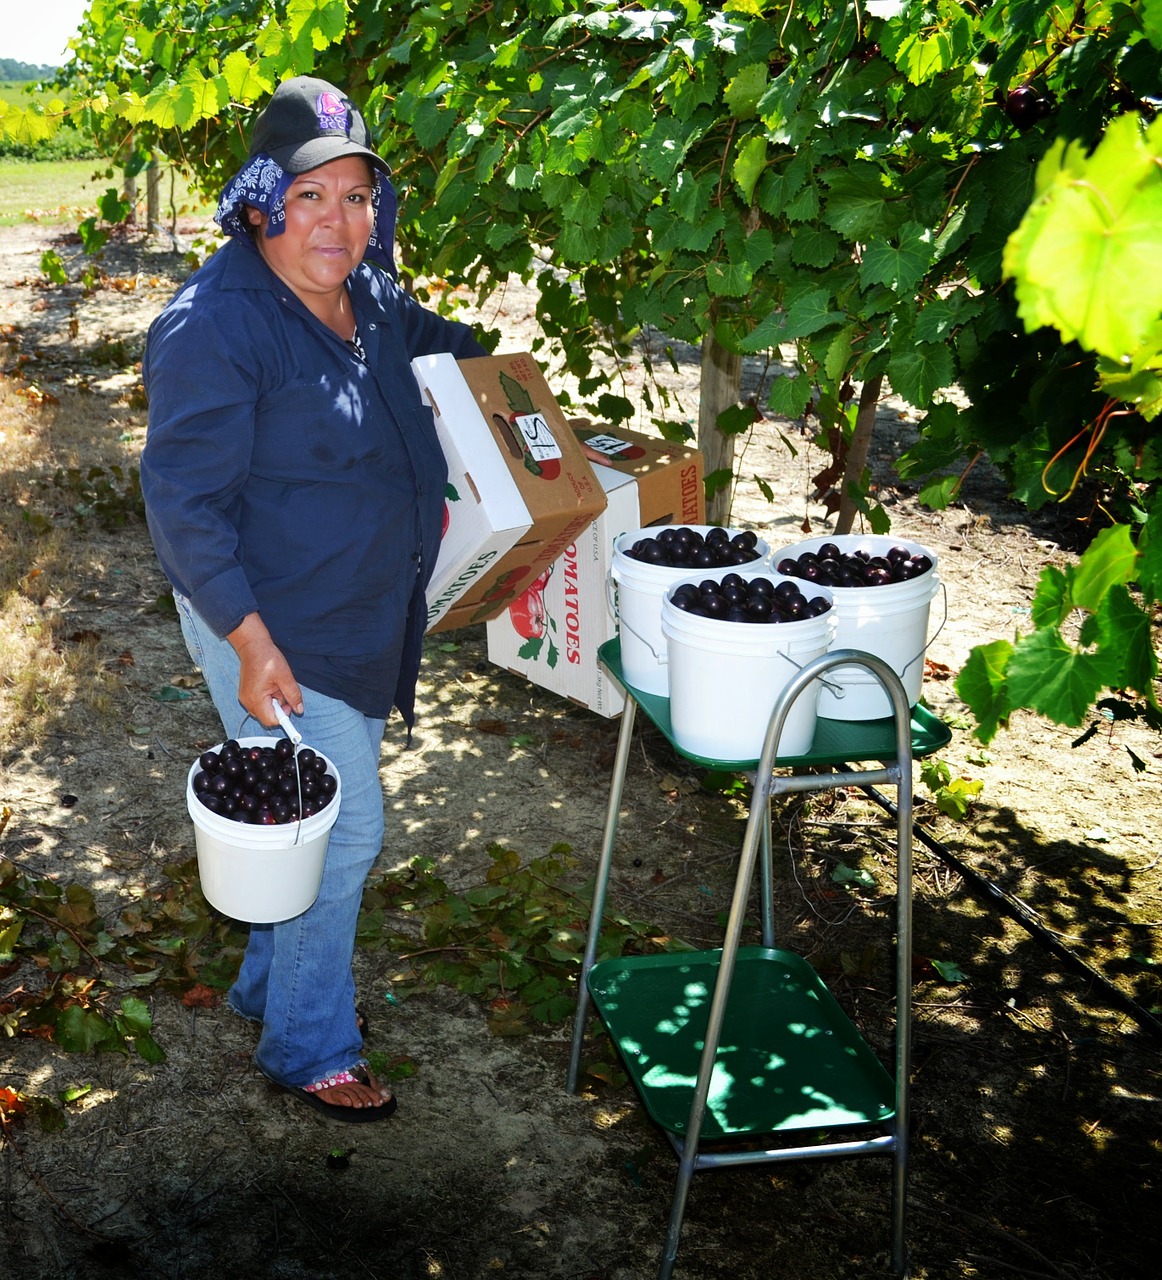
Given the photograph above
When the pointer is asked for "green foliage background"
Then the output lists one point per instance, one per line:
(844, 183)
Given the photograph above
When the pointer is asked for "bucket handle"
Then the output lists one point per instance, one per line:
(928, 643)
(661, 658)
(296, 739)
(837, 690)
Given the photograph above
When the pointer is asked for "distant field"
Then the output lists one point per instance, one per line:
(52, 186)
(65, 191)
(16, 91)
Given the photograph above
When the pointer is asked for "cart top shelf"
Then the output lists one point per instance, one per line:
(835, 741)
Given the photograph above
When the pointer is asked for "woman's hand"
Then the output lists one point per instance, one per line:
(266, 674)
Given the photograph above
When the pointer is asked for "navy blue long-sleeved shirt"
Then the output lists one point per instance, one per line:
(283, 475)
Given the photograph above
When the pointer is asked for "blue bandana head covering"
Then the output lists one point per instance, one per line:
(262, 184)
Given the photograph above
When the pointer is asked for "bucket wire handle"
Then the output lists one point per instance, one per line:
(929, 643)
(296, 739)
(660, 658)
(836, 689)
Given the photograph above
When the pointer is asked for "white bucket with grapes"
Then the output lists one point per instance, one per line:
(735, 643)
(648, 561)
(263, 809)
(883, 589)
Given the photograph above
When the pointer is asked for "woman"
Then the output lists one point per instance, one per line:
(294, 489)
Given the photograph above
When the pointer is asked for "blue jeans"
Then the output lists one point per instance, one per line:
(296, 975)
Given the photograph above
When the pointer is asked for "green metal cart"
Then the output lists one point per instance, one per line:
(744, 1047)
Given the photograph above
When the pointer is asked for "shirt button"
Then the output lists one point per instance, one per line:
(372, 327)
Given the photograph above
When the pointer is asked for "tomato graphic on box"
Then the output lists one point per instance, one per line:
(530, 618)
(450, 495)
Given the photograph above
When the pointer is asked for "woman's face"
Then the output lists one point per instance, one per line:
(329, 219)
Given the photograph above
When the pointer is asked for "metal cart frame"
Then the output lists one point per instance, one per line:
(651, 1003)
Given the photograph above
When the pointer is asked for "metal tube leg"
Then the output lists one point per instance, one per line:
(601, 884)
(767, 881)
(678, 1210)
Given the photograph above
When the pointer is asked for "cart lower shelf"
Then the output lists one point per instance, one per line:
(789, 1058)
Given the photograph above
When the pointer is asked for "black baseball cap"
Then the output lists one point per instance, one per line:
(309, 122)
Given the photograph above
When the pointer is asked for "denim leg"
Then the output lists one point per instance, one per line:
(296, 975)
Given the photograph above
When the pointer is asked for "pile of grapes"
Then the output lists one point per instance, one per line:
(685, 548)
(832, 567)
(261, 785)
(738, 599)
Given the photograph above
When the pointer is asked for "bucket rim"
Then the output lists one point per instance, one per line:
(282, 835)
(911, 588)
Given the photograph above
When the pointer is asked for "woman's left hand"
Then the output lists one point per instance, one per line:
(266, 674)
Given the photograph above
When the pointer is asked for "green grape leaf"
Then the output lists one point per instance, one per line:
(790, 396)
(918, 371)
(1051, 600)
(244, 78)
(1110, 559)
(1085, 255)
(981, 685)
(901, 266)
(1049, 675)
(1121, 630)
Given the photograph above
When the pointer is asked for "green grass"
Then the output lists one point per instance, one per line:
(16, 91)
(58, 192)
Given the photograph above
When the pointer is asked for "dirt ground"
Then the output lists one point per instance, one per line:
(1037, 1091)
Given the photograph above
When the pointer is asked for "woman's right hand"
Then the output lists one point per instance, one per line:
(266, 674)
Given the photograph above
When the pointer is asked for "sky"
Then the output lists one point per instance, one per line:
(37, 31)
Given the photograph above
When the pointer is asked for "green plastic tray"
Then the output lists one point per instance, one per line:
(789, 1058)
(835, 741)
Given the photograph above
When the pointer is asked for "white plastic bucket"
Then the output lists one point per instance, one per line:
(890, 621)
(261, 874)
(640, 588)
(725, 678)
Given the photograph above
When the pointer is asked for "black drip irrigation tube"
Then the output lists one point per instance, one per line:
(1016, 910)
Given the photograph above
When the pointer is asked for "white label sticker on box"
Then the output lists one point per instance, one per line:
(537, 436)
(611, 446)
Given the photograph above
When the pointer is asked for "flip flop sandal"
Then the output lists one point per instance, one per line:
(336, 1110)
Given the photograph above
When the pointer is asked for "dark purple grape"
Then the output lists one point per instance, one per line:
(202, 781)
(760, 608)
(1021, 106)
(209, 761)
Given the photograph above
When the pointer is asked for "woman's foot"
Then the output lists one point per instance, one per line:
(354, 1096)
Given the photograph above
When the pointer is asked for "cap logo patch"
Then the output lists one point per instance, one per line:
(331, 112)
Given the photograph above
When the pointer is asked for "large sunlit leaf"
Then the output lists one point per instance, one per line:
(1085, 257)
(1110, 559)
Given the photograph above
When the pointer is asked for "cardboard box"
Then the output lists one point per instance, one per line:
(520, 488)
(551, 633)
